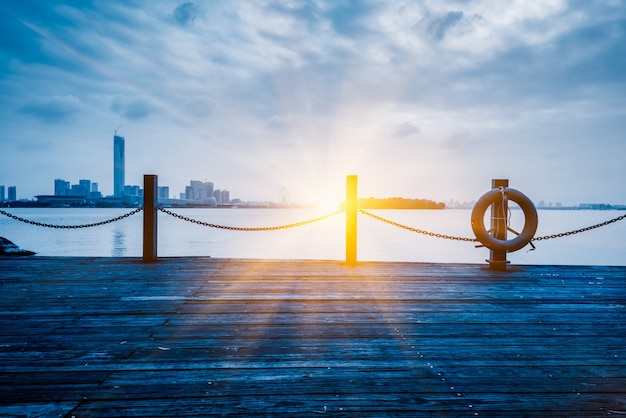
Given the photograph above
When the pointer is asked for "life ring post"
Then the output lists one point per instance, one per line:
(497, 258)
(495, 238)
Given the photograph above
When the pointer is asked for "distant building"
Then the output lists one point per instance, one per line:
(61, 187)
(200, 193)
(222, 196)
(118, 165)
(164, 192)
(198, 190)
(94, 193)
(85, 187)
(77, 190)
(595, 206)
(12, 194)
(1, 193)
(132, 191)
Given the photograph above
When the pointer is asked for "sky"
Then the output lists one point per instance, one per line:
(423, 99)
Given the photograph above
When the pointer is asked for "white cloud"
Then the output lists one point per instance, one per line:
(335, 81)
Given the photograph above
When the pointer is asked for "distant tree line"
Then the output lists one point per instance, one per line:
(397, 203)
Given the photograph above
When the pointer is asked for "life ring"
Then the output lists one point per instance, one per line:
(488, 240)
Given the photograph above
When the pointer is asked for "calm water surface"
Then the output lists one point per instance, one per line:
(377, 241)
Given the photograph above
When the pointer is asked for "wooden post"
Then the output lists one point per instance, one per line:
(150, 197)
(499, 213)
(351, 212)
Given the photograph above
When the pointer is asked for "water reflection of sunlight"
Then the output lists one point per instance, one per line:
(322, 240)
(119, 248)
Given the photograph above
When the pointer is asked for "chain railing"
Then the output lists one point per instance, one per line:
(45, 225)
(419, 231)
(239, 228)
(301, 223)
(151, 208)
(451, 237)
(577, 231)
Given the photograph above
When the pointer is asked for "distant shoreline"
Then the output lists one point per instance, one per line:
(36, 205)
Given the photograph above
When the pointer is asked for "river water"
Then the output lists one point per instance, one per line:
(324, 240)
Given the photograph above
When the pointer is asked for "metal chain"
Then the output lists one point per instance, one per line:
(17, 218)
(419, 231)
(237, 228)
(297, 224)
(589, 228)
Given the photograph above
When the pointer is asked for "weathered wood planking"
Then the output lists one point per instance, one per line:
(114, 337)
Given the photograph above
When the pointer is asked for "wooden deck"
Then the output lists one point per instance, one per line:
(111, 337)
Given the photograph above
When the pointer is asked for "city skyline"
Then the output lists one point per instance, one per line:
(418, 99)
(196, 191)
(201, 192)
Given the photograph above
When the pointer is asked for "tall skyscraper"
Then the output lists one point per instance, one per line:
(118, 165)
(12, 194)
(1, 193)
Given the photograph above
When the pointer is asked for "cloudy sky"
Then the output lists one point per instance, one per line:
(428, 99)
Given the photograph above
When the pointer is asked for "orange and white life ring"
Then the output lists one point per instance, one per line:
(487, 239)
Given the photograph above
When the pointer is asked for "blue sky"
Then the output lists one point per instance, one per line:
(428, 99)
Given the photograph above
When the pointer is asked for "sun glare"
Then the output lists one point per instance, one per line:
(329, 203)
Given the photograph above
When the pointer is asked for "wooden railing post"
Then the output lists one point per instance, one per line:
(351, 212)
(499, 213)
(150, 197)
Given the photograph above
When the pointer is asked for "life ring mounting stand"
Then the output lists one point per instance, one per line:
(499, 196)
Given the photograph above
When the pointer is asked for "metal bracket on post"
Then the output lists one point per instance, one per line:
(499, 212)
(150, 196)
(351, 212)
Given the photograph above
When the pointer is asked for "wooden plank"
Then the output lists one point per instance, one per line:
(185, 336)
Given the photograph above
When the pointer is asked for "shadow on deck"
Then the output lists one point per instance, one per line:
(113, 337)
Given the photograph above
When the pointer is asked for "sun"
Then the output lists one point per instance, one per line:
(329, 203)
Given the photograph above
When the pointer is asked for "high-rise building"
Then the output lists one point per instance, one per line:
(132, 190)
(118, 165)
(94, 193)
(12, 194)
(76, 190)
(222, 196)
(85, 187)
(1, 193)
(61, 187)
(198, 190)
